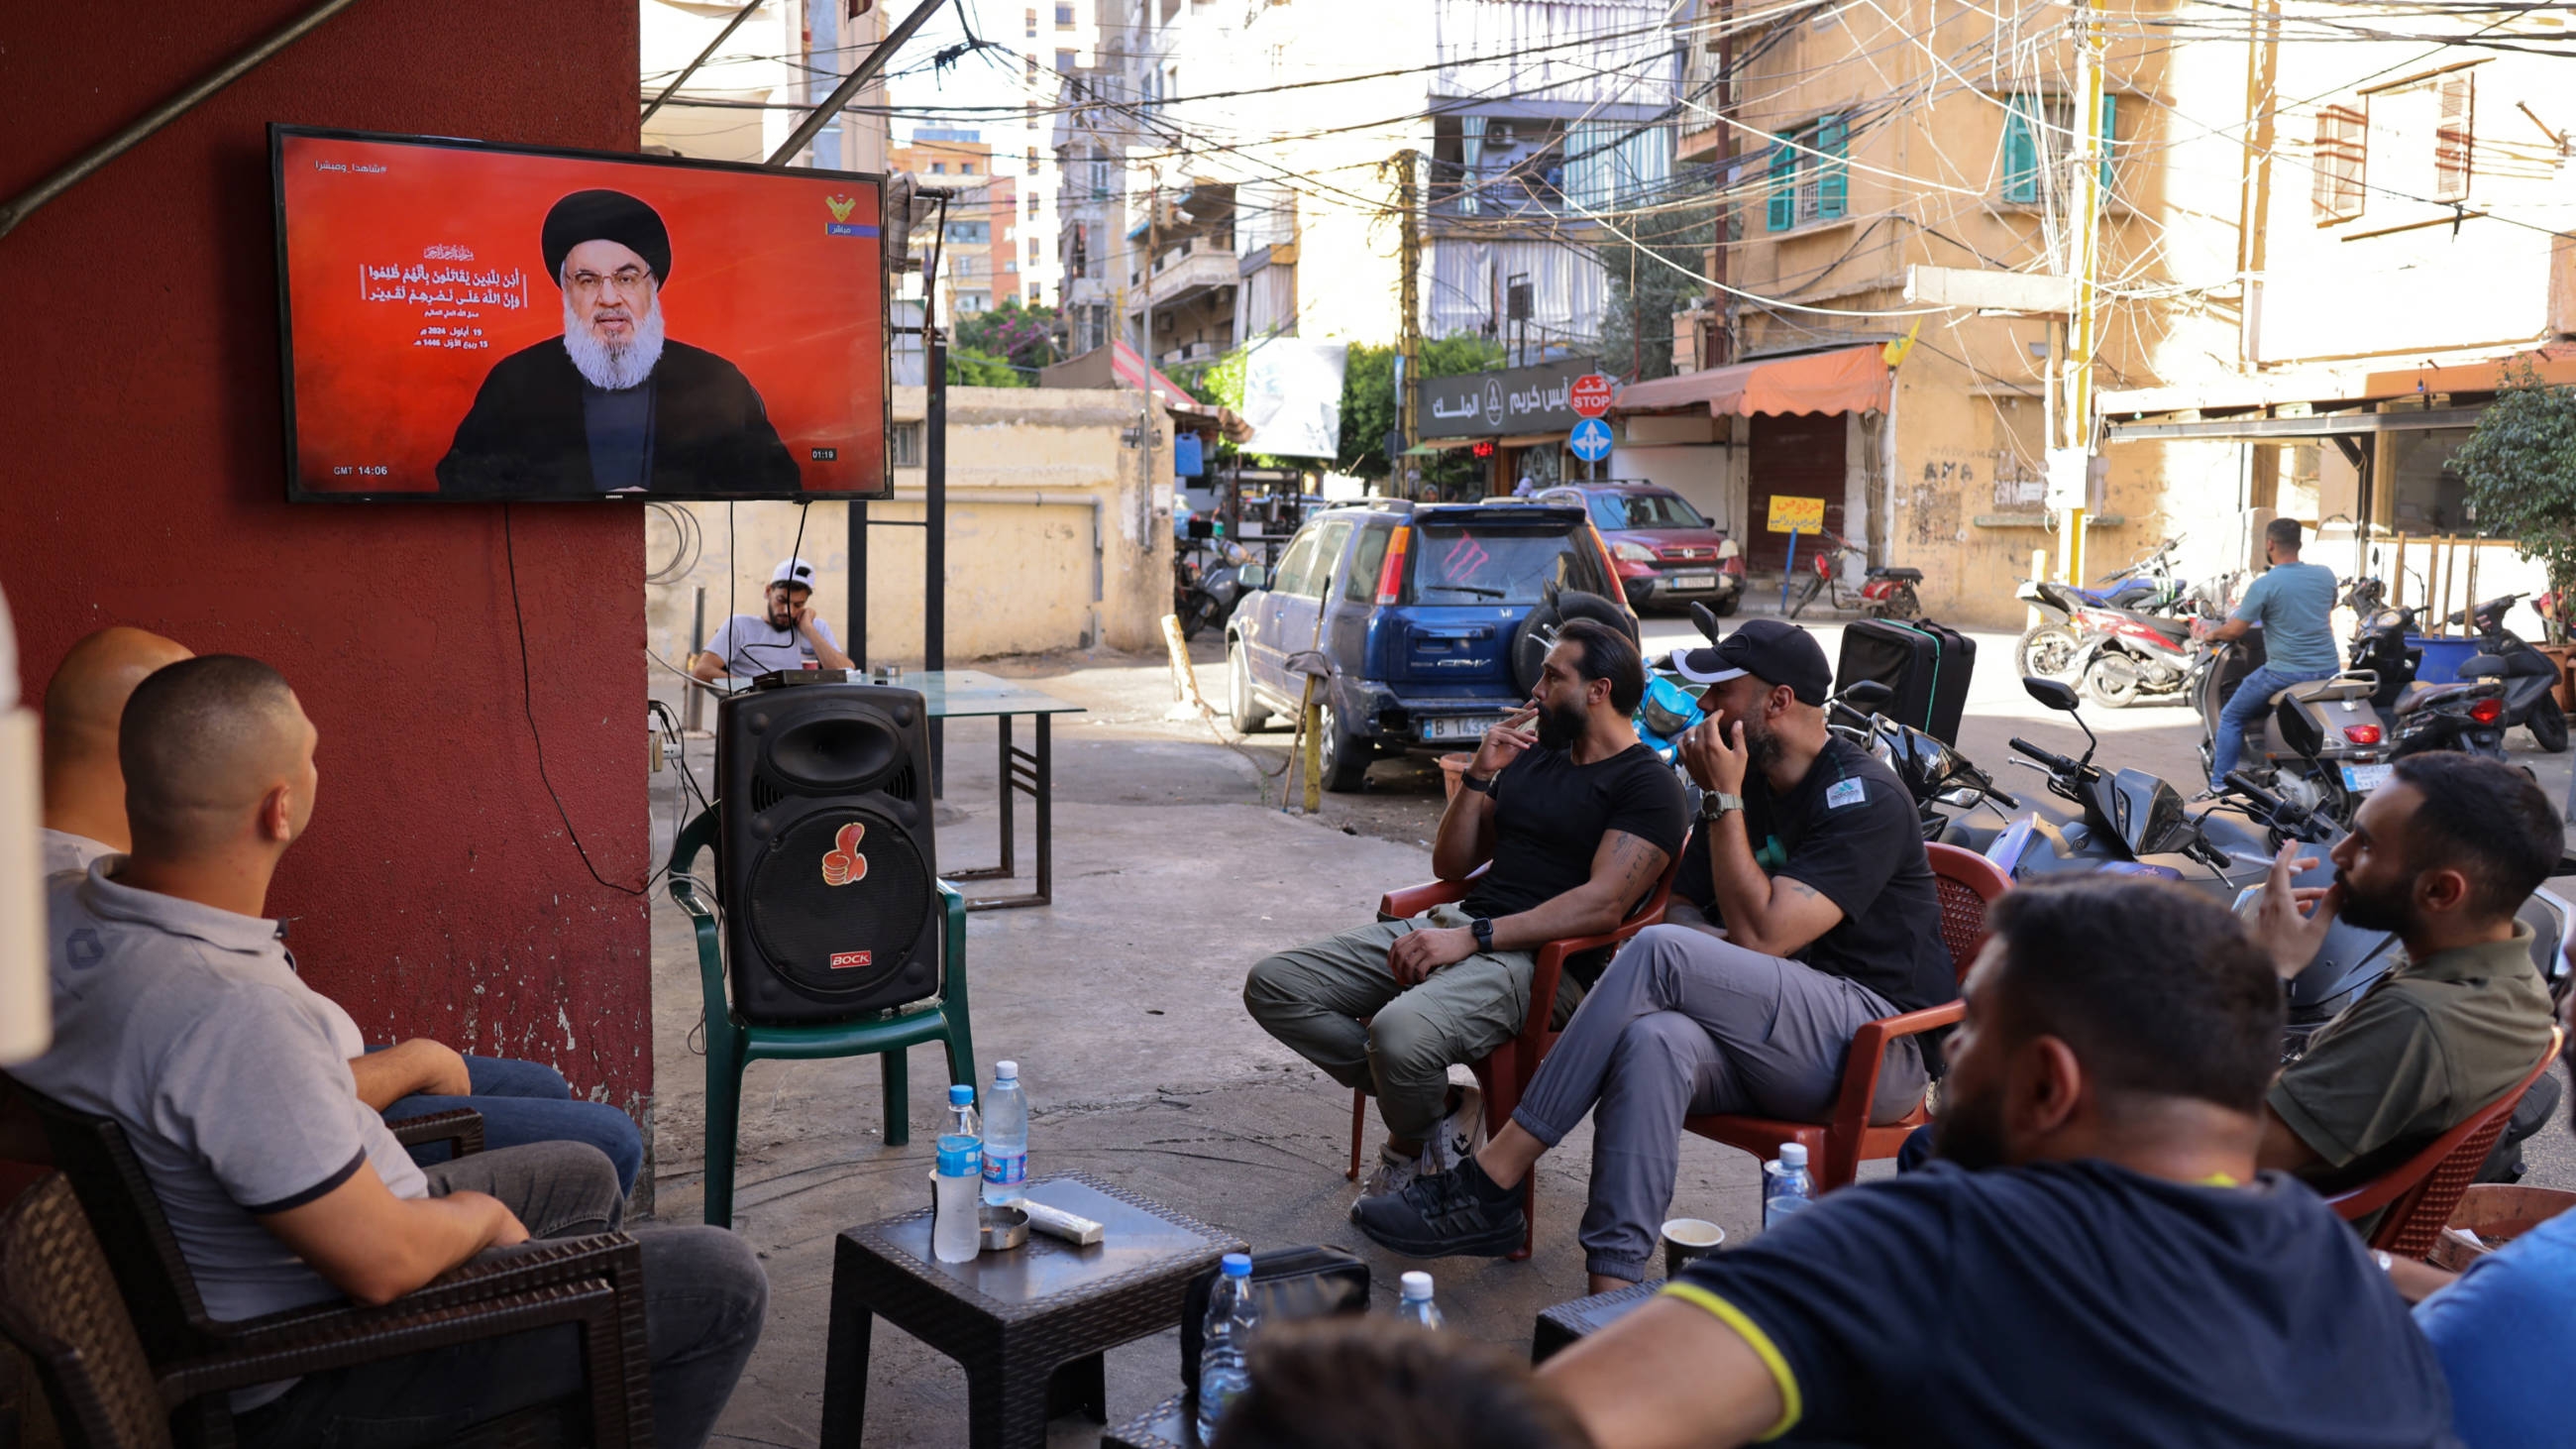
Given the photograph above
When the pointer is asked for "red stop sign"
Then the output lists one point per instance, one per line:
(1589, 396)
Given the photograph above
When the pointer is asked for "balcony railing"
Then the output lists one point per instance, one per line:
(1182, 278)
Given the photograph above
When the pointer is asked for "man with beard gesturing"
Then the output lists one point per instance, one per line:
(1577, 819)
(2442, 856)
(1810, 857)
(613, 406)
(2095, 1260)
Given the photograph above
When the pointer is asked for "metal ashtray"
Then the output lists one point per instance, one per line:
(1005, 1228)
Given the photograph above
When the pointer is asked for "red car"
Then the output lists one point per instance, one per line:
(1666, 553)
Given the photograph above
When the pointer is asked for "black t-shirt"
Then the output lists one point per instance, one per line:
(2080, 1303)
(1849, 830)
(1550, 814)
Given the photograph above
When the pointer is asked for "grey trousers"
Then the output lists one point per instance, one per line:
(1335, 1003)
(1683, 1023)
(704, 1296)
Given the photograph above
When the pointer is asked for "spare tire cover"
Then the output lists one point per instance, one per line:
(1537, 631)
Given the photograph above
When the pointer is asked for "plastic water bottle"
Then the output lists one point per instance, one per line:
(1416, 1305)
(956, 1224)
(1230, 1322)
(1006, 1136)
(1786, 1187)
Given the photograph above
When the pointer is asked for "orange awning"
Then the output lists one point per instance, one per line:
(2556, 364)
(1850, 380)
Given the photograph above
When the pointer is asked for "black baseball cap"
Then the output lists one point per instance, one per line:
(1771, 650)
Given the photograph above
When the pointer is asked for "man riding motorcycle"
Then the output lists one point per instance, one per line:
(2293, 604)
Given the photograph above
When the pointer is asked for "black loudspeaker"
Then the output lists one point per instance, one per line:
(823, 850)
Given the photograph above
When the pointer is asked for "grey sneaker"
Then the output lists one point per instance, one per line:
(1392, 1173)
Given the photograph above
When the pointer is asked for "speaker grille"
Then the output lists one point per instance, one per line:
(839, 939)
(764, 793)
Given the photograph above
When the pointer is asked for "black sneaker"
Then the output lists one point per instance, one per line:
(1458, 1213)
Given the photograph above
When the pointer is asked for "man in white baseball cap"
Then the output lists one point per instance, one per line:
(790, 636)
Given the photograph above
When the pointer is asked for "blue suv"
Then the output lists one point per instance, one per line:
(1429, 618)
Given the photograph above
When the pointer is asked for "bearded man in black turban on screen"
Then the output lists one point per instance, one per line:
(613, 406)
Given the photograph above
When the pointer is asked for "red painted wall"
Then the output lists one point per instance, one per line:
(142, 482)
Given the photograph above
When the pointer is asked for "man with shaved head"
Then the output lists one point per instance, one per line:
(179, 1013)
(85, 819)
(84, 787)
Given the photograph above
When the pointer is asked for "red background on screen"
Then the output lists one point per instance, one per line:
(754, 278)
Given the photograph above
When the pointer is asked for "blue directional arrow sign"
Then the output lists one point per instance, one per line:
(1591, 440)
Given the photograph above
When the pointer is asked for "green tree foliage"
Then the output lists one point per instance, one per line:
(1637, 322)
(1369, 409)
(1022, 336)
(2520, 464)
(970, 368)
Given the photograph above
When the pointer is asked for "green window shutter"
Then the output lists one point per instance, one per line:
(1784, 188)
(1833, 177)
(2110, 136)
(2021, 152)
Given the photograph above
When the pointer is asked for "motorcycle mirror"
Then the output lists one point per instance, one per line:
(1868, 695)
(2055, 693)
(1706, 619)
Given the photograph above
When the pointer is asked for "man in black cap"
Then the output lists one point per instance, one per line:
(613, 407)
(1809, 859)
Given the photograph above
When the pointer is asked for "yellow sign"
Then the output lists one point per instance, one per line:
(1797, 515)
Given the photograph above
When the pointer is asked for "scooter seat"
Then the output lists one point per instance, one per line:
(2314, 690)
(1911, 576)
(2424, 696)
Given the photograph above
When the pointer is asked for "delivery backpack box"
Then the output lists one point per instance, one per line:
(1926, 664)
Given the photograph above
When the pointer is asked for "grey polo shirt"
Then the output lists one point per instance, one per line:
(66, 851)
(189, 1026)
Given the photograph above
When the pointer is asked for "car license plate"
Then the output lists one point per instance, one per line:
(1692, 579)
(2362, 779)
(1460, 727)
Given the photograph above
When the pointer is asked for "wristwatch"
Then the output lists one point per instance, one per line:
(1484, 932)
(1715, 803)
(1481, 784)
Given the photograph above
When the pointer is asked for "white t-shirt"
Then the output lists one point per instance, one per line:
(66, 851)
(749, 646)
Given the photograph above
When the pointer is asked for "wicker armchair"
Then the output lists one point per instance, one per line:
(194, 1361)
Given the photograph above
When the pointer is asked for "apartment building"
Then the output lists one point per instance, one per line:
(979, 261)
(1229, 175)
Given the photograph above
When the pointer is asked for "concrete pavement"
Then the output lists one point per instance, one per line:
(1174, 870)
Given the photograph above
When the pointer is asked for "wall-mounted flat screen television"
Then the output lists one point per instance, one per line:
(468, 320)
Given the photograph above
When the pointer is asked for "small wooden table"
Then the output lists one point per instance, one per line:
(1029, 1325)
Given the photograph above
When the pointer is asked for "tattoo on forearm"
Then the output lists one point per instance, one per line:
(1633, 863)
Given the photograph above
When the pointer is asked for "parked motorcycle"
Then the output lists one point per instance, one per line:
(2148, 586)
(1207, 583)
(1884, 593)
(2530, 677)
(2131, 658)
(1934, 774)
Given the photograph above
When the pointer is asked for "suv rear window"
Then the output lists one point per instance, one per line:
(1644, 510)
(1496, 563)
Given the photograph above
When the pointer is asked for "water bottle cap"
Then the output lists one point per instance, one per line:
(1238, 1265)
(1793, 1154)
(961, 1095)
(1417, 1285)
(1005, 1072)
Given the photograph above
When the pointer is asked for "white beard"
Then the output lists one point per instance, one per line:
(615, 368)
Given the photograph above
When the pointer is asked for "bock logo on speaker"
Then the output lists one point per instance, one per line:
(843, 864)
(852, 960)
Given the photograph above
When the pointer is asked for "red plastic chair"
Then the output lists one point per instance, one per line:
(2420, 1192)
(1504, 1074)
(1967, 883)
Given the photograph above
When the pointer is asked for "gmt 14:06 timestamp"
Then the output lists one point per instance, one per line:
(362, 470)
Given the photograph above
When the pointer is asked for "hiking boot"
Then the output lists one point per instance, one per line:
(1458, 1213)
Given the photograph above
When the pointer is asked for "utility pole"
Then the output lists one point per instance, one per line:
(1408, 364)
(2070, 450)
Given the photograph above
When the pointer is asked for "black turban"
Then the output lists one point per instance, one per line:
(606, 216)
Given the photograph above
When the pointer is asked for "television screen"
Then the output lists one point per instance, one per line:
(479, 321)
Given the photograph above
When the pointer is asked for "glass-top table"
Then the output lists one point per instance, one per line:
(973, 694)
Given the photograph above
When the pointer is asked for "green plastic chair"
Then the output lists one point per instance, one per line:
(732, 1044)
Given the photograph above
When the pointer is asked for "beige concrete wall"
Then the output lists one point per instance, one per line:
(1090, 564)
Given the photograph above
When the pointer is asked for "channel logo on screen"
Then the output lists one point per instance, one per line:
(840, 224)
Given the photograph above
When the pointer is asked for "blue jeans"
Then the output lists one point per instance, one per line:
(524, 1102)
(2250, 700)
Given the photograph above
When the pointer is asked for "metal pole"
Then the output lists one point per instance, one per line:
(859, 584)
(934, 547)
(25, 202)
(691, 68)
(694, 709)
(866, 72)
(1409, 336)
